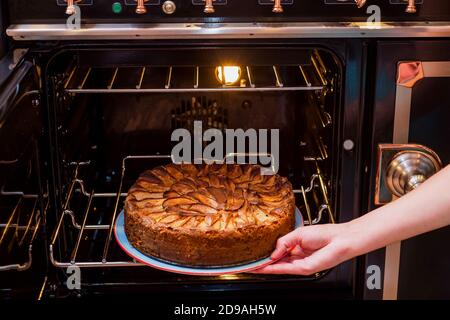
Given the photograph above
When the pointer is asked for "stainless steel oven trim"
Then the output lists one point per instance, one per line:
(228, 30)
(431, 69)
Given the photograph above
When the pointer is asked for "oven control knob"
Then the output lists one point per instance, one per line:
(411, 8)
(277, 7)
(169, 7)
(70, 10)
(209, 8)
(140, 8)
(360, 3)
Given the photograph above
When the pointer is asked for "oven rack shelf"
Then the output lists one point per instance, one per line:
(193, 79)
(24, 234)
(68, 217)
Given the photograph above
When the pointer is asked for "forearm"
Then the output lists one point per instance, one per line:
(420, 211)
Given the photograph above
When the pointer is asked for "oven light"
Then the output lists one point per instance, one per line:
(228, 75)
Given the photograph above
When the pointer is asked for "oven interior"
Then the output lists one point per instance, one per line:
(111, 115)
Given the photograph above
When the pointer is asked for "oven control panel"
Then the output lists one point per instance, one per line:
(148, 11)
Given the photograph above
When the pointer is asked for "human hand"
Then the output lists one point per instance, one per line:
(311, 249)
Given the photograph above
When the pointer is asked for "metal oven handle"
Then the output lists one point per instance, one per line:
(409, 169)
(402, 168)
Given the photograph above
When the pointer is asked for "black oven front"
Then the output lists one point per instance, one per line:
(85, 109)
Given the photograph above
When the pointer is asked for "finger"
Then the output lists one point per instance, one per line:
(285, 244)
(276, 268)
(298, 252)
(282, 268)
(320, 260)
(286, 259)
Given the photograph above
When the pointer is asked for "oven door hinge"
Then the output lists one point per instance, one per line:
(9, 63)
(17, 57)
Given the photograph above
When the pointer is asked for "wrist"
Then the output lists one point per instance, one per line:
(361, 236)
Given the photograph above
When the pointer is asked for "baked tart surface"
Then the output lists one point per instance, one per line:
(208, 215)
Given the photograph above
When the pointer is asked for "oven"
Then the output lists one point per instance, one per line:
(90, 101)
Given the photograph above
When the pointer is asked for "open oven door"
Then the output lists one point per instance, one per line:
(22, 188)
(410, 135)
(3, 42)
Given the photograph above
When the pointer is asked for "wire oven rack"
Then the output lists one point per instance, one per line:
(24, 233)
(163, 79)
(77, 185)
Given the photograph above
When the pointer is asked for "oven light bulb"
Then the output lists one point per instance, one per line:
(228, 75)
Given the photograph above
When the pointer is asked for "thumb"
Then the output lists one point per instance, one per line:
(286, 244)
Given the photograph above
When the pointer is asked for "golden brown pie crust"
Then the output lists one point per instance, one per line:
(208, 215)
